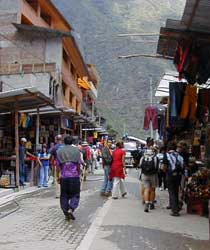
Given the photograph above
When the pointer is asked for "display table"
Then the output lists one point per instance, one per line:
(9, 175)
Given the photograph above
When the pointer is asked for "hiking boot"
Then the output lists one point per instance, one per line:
(152, 206)
(146, 208)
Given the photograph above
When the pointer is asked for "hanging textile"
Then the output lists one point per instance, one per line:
(151, 115)
(189, 106)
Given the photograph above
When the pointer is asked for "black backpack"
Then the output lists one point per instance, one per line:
(148, 165)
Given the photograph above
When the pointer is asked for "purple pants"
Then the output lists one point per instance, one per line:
(70, 194)
(151, 115)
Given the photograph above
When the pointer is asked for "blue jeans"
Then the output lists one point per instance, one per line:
(43, 176)
(22, 172)
(107, 185)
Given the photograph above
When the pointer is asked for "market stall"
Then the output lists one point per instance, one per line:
(14, 125)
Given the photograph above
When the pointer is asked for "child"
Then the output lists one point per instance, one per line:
(44, 157)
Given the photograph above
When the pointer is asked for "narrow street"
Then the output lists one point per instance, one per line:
(38, 223)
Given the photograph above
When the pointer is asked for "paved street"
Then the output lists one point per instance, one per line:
(36, 222)
(39, 224)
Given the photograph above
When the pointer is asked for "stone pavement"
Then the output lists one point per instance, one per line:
(122, 225)
(35, 221)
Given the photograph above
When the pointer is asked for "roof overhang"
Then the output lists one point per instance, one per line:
(23, 99)
(194, 24)
(37, 31)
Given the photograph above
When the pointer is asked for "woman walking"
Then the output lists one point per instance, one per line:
(117, 173)
(44, 157)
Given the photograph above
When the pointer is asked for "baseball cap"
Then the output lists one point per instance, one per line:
(23, 139)
(58, 137)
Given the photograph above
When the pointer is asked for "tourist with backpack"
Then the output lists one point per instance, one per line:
(106, 163)
(173, 166)
(149, 177)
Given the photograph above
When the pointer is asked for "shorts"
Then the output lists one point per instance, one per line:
(149, 181)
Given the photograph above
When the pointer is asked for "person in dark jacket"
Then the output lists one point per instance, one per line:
(173, 165)
(68, 168)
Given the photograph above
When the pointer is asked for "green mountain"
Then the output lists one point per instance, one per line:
(125, 85)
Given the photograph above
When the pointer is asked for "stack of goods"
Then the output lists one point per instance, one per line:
(198, 193)
(199, 185)
(4, 181)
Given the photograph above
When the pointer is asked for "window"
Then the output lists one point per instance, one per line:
(63, 88)
(73, 71)
(33, 4)
(24, 20)
(47, 18)
(65, 56)
(71, 97)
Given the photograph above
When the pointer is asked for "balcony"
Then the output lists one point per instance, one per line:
(87, 109)
(70, 81)
(16, 76)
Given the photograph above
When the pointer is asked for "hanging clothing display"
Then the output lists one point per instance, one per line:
(176, 93)
(192, 61)
(151, 115)
(203, 106)
(189, 105)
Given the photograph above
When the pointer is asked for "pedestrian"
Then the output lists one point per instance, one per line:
(22, 154)
(161, 174)
(173, 166)
(106, 155)
(68, 168)
(136, 154)
(117, 173)
(53, 152)
(149, 168)
(94, 157)
(87, 157)
(149, 145)
(44, 157)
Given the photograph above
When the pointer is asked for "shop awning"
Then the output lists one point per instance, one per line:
(23, 99)
(172, 76)
(194, 23)
(83, 84)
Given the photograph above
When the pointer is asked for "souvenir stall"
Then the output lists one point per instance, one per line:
(15, 123)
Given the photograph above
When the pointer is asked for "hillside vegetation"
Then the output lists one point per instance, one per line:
(124, 90)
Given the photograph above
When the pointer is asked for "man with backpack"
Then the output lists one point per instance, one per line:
(173, 166)
(149, 172)
(107, 162)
